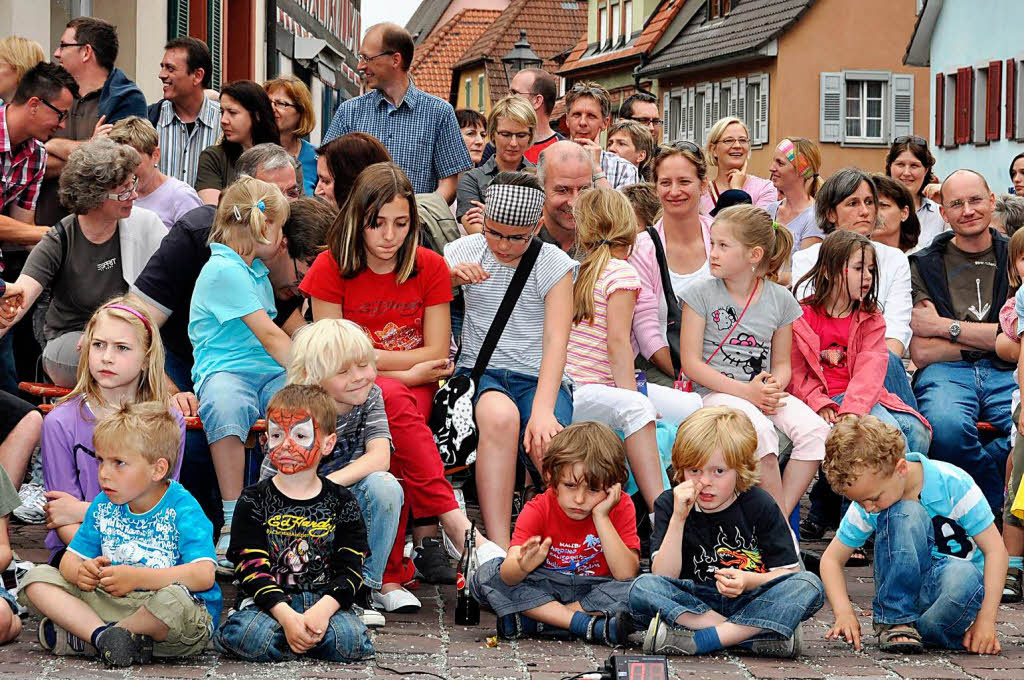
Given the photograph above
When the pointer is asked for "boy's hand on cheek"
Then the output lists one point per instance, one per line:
(604, 508)
(120, 580)
(981, 638)
(533, 553)
(731, 582)
(847, 627)
(684, 496)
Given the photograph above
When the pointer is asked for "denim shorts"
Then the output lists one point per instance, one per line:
(229, 403)
(9, 599)
(520, 388)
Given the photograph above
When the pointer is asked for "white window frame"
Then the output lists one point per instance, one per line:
(627, 14)
(863, 119)
(980, 117)
(602, 27)
(616, 15)
(897, 107)
(949, 111)
(1018, 128)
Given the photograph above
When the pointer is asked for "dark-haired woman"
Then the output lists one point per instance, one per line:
(1017, 174)
(898, 226)
(910, 161)
(246, 119)
(340, 161)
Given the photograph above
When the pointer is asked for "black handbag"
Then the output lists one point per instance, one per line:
(451, 417)
(675, 310)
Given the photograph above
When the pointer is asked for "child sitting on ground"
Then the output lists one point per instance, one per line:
(575, 548)
(138, 580)
(725, 570)
(299, 543)
(10, 622)
(939, 560)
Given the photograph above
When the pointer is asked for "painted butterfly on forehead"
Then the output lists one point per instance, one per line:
(293, 441)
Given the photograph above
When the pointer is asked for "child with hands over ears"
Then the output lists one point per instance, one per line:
(940, 563)
(839, 353)
(137, 580)
(122, 363)
(725, 570)
(575, 549)
(240, 353)
(735, 345)
(299, 543)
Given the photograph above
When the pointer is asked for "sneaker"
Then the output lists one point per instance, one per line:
(788, 648)
(1012, 590)
(33, 500)
(617, 628)
(225, 567)
(120, 647)
(60, 642)
(371, 618)
(664, 638)
(398, 601)
(432, 563)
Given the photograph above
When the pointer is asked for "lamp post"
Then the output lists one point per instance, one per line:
(520, 57)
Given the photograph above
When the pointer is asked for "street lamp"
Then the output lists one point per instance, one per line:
(520, 57)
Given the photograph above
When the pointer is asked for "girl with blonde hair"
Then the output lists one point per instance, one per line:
(728, 152)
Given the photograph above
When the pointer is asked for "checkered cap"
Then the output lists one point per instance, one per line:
(516, 206)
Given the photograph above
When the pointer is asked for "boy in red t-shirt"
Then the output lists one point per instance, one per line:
(575, 549)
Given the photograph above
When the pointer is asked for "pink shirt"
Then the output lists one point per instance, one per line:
(762, 193)
(586, 359)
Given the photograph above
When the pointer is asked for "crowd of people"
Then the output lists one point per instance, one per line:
(273, 358)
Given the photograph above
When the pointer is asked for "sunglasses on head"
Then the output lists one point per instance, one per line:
(913, 139)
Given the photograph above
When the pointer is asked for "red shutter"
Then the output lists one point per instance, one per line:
(994, 101)
(1011, 98)
(940, 109)
(964, 105)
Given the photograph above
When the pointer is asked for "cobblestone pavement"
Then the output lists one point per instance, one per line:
(429, 641)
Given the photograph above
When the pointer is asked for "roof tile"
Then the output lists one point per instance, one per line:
(652, 32)
(432, 66)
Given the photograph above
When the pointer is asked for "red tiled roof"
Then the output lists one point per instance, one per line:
(432, 66)
(552, 27)
(652, 32)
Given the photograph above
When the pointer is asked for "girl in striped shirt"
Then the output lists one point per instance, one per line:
(599, 357)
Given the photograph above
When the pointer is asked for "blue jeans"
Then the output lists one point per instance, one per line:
(8, 370)
(940, 595)
(254, 635)
(953, 396)
(897, 383)
(380, 497)
(777, 606)
(916, 435)
(229, 403)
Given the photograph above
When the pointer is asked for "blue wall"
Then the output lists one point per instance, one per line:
(970, 33)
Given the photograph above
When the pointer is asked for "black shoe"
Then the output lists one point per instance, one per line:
(616, 629)
(432, 563)
(120, 647)
(811, 530)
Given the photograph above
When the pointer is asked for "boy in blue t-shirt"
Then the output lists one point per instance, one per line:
(939, 559)
(138, 580)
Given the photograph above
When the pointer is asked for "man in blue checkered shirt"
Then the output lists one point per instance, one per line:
(418, 129)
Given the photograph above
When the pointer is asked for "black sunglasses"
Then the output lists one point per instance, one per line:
(682, 146)
(61, 115)
(914, 139)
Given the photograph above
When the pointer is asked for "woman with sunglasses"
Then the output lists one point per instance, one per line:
(727, 153)
(246, 119)
(910, 161)
(293, 111)
(90, 256)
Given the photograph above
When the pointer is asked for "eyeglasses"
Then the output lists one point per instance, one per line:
(364, 58)
(956, 206)
(507, 136)
(281, 104)
(517, 93)
(127, 193)
(64, 45)
(903, 139)
(61, 115)
(646, 121)
(729, 141)
(513, 240)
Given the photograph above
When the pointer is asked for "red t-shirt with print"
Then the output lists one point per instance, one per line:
(575, 545)
(833, 336)
(391, 313)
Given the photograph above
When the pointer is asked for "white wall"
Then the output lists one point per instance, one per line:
(151, 35)
(29, 19)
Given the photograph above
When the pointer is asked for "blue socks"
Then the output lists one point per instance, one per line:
(707, 640)
(579, 624)
(1016, 562)
(96, 633)
(229, 511)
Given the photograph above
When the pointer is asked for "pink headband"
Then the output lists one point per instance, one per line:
(136, 312)
(799, 161)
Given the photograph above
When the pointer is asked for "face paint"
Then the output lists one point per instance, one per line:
(292, 440)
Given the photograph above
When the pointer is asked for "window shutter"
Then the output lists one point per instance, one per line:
(901, 90)
(763, 123)
(216, 32)
(940, 104)
(690, 102)
(964, 105)
(716, 103)
(831, 107)
(994, 100)
(706, 114)
(671, 123)
(734, 109)
(741, 101)
(177, 27)
(1011, 98)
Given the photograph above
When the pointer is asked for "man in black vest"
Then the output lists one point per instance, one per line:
(959, 284)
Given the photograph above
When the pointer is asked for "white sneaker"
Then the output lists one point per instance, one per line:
(31, 510)
(371, 618)
(398, 601)
(225, 567)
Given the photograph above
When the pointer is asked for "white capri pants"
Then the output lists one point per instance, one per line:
(620, 409)
(796, 419)
(673, 406)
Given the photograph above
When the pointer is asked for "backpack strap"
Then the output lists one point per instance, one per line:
(666, 283)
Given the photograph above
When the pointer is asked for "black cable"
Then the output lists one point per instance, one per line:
(398, 672)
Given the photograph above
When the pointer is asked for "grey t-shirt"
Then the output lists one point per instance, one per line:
(9, 500)
(89, 276)
(970, 278)
(747, 352)
(355, 430)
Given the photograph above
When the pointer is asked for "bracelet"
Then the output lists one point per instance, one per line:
(597, 176)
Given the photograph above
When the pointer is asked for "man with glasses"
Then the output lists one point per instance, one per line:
(540, 89)
(588, 111)
(642, 107)
(959, 284)
(87, 50)
(419, 130)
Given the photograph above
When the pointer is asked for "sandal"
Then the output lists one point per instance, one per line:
(888, 635)
(1012, 589)
(859, 558)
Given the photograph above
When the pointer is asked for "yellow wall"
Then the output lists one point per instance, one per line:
(474, 76)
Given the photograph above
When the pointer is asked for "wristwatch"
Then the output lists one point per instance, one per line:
(954, 330)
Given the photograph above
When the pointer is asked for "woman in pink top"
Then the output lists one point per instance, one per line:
(727, 152)
(679, 175)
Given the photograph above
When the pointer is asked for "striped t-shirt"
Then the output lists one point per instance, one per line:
(586, 361)
(519, 348)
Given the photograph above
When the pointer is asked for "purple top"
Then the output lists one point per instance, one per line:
(69, 463)
(762, 193)
(170, 201)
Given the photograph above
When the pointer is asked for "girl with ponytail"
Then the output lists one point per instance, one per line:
(735, 345)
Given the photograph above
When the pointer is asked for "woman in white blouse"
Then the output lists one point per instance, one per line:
(910, 161)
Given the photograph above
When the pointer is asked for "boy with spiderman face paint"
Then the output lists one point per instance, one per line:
(298, 543)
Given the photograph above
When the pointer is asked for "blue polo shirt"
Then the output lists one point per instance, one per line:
(228, 289)
(421, 134)
(955, 503)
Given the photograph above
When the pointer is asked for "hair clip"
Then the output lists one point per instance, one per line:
(776, 226)
(238, 213)
(261, 205)
(604, 242)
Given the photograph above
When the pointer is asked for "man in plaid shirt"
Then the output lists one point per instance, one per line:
(38, 110)
(588, 111)
(419, 130)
